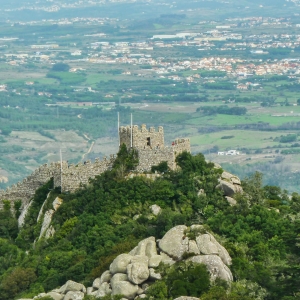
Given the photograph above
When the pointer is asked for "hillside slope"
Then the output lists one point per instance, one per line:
(114, 212)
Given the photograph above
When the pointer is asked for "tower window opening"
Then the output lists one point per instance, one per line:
(148, 141)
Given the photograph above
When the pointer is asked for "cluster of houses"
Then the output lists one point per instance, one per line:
(229, 152)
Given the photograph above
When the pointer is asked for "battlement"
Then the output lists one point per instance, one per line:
(142, 129)
(73, 176)
(150, 147)
(141, 137)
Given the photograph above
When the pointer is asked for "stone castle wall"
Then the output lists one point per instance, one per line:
(74, 176)
(25, 189)
(142, 138)
(151, 157)
(148, 143)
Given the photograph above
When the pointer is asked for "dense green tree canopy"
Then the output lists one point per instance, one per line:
(111, 215)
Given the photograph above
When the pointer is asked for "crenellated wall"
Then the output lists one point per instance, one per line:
(142, 138)
(74, 176)
(148, 143)
(151, 157)
(25, 189)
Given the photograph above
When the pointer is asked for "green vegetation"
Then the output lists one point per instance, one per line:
(96, 224)
(223, 110)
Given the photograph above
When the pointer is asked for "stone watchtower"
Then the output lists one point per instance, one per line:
(142, 138)
(150, 146)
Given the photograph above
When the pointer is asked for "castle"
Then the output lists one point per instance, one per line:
(148, 143)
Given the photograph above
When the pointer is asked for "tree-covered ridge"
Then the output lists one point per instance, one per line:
(111, 215)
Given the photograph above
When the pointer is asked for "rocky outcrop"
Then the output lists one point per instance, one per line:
(230, 185)
(23, 214)
(131, 274)
(47, 230)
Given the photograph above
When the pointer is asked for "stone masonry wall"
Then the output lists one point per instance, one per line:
(151, 157)
(25, 189)
(142, 138)
(74, 176)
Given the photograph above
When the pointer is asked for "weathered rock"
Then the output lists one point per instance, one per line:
(46, 221)
(138, 272)
(97, 283)
(228, 188)
(120, 263)
(155, 209)
(57, 203)
(41, 295)
(166, 259)
(49, 232)
(201, 192)
(118, 277)
(71, 295)
(217, 166)
(193, 248)
(154, 261)
(175, 243)
(103, 290)
(205, 245)
(222, 252)
(215, 266)
(125, 288)
(21, 219)
(227, 176)
(231, 178)
(72, 286)
(140, 259)
(231, 201)
(153, 275)
(55, 296)
(140, 291)
(89, 290)
(147, 247)
(105, 277)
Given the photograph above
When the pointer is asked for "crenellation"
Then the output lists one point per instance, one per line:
(150, 147)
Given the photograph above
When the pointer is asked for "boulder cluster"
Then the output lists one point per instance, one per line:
(230, 185)
(130, 274)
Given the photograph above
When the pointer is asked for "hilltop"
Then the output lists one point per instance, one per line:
(92, 226)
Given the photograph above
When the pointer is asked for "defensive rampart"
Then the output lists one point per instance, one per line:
(25, 189)
(148, 143)
(74, 176)
(70, 179)
(151, 157)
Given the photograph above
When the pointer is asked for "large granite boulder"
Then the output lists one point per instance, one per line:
(72, 286)
(125, 288)
(138, 272)
(120, 263)
(175, 243)
(71, 295)
(55, 296)
(229, 184)
(215, 266)
(131, 274)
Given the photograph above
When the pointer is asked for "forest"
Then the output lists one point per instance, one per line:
(111, 215)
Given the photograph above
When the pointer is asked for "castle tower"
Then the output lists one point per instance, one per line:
(142, 138)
